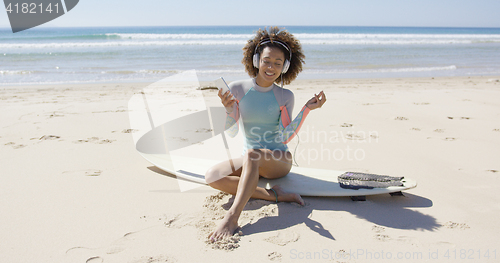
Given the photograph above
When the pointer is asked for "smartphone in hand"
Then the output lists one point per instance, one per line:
(221, 84)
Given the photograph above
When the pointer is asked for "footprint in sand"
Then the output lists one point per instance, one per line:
(453, 225)
(283, 238)
(180, 139)
(408, 240)
(342, 254)
(401, 119)
(378, 229)
(449, 139)
(382, 237)
(129, 131)
(346, 125)
(203, 130)
(89, 172)
(274, 256)
(268, 211)
(55, 114)
(128, 242)
(354, 137)
(94, 260)
(83, 254)
(96, 140)
(93, 173)
(119, 245)
(461, 118)
(13, 144)
(439, 130)
(49, 137)
(445, 244)
(178, 221)
(157, 259)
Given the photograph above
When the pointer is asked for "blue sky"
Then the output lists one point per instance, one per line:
(424, 13)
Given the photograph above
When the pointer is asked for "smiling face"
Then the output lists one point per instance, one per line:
(270, 66)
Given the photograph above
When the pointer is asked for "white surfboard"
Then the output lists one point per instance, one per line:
(154, 146)
(175, 136)
(300, 180)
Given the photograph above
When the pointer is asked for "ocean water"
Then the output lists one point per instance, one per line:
(146, 54)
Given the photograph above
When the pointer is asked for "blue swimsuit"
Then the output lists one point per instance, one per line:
(265, 115)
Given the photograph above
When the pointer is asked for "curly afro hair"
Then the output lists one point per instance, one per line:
(275, 33)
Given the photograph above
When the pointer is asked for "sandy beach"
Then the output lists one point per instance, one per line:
(73, 188)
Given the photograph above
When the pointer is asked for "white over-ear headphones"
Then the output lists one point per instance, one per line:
(256, 56)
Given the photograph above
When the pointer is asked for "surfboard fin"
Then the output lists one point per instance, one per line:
(397, 194)
(358, 198)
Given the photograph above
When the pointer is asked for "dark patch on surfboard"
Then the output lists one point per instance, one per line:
(355, 181)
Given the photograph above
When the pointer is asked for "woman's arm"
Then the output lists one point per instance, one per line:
(288, 129)
(232, 113)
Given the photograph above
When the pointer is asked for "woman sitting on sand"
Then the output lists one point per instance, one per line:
(273, 56)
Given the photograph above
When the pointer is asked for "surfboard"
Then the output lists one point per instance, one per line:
(301, 180)
(157, 144)
(186, 139)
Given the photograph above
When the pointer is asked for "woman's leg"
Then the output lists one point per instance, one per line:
(263, 162)
(225, 176)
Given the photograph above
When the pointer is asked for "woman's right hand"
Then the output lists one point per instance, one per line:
(227, 100)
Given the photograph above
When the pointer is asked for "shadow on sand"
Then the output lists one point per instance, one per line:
(383, 210)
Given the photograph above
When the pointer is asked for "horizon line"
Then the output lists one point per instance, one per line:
(55, 26)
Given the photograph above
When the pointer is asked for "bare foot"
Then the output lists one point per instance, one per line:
(287, 197)
(226, 228)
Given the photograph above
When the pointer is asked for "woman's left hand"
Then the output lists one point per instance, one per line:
(317, 101)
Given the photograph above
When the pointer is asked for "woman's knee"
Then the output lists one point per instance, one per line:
(212, 176)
